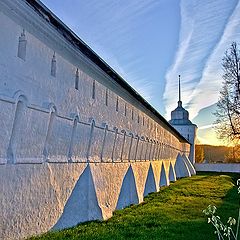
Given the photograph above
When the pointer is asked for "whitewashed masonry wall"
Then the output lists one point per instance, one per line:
(74, 144)
(57, 105)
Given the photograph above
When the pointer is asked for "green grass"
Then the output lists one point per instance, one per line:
(174, 213)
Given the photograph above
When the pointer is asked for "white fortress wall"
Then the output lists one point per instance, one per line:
(74, 144)
(217, 167)
(36, 198)
(38, 109)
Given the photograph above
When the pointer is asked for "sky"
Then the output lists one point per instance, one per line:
(150, 42)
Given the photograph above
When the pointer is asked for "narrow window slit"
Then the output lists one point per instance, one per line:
(117, 104)
(22, 46)
(54, 65)
(94, 90)
(106, 98)
(77, 80)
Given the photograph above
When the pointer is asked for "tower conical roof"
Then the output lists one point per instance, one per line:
(180, 116)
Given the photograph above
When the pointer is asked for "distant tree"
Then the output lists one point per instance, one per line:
(199, 153)
(228, 106)
(233, 154)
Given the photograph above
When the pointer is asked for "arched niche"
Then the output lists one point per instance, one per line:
(21, 103)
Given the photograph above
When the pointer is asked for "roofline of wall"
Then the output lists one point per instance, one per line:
(74, 40)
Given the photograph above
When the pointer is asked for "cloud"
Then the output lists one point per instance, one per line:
(115, 39)
(207, 29)
(109, 28)
(207, 126)
(210, 82)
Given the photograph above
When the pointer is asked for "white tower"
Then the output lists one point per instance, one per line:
(180, 121)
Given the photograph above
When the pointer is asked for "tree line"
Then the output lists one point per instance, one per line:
(217, 154)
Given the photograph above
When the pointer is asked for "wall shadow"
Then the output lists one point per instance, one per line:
(82, 205)
(128, 194)
(150, 185)
(181, 167)
(163, 177)
(172, 174)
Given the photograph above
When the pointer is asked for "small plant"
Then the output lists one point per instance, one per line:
(223, 231)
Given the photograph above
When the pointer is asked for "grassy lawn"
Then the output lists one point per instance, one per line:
(174, 213)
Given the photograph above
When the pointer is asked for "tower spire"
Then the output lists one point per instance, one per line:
(179, 91)
(179, 88)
